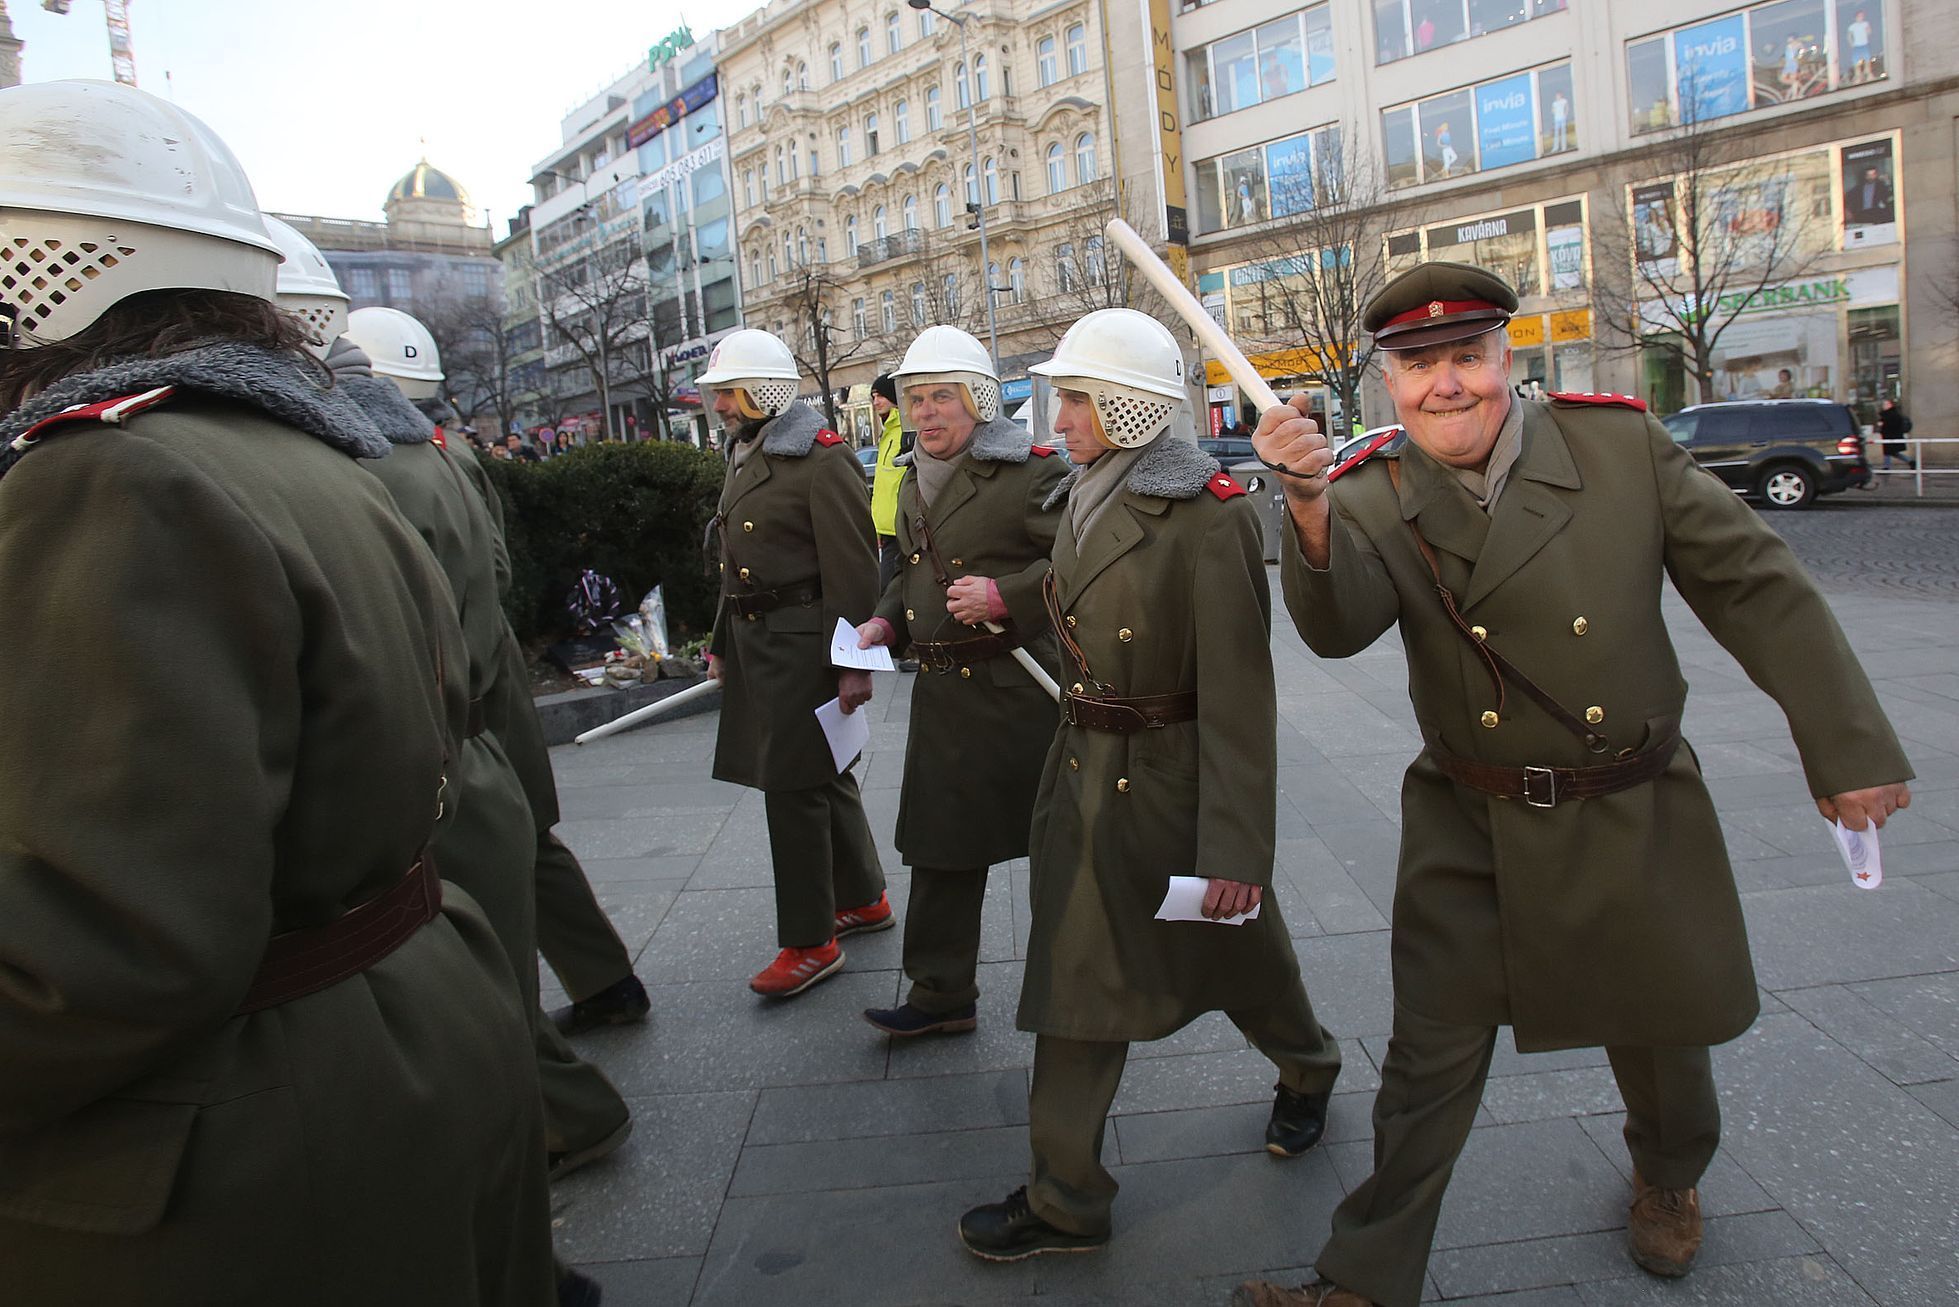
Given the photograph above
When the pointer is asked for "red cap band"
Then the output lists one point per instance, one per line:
(1441, 309)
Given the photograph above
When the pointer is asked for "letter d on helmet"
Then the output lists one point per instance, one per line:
(107, 192)
(400, 348)
(1129, 366)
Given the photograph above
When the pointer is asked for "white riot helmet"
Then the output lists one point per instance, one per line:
(307, 287)
(949, 354)
(107, 192)
(759, 368)
(400, 349)
(1130, 367)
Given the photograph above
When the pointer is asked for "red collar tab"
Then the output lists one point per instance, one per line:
(1440, 309)
(1042, 451)
(1224, 487)
(828, 437)
(112, 411)
(1587, 397)
(441, 441)
(1373, 444)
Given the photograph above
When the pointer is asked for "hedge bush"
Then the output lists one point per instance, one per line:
(633, 512)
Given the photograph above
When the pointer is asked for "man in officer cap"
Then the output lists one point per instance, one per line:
(1562, 871)
(794, 528)
(1165, 765)
(974, 529)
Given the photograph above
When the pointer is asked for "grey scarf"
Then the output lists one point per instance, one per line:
(935, 474)
(1486, 485)
(1099, 485)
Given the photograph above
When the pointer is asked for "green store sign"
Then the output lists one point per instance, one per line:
(1795, 295)
(666, 51)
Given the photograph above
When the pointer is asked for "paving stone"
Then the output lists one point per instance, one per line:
(873, 1109)
(1368, 850)
(1229, 1128)
(995, 1046)
(636, 909)
(1241, 1075)
(1561, 1297)
(640, 800)
(724, 934)
(1945, 883)
(1856, 1018)
(1547, 1095)
(1334, 897)
(602, 871)
(1835, 934)
(661, 1193)
(1942, 1098)
(1350, 982)
(642, 837)
(651, 1283)
(1786, 1282)
(821, 1166)
(1601, 1255)
(1928, 1006)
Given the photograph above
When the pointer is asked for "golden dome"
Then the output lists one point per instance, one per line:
(425, 182)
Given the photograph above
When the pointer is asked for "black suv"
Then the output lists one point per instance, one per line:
(1227, 449)
(1785, 452)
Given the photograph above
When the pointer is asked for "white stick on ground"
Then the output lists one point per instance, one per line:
(650, 711)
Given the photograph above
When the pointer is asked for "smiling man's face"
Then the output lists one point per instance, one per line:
(1453, 397)
(937, 410)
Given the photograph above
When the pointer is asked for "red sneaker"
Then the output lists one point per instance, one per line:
(796, 969)
(862, 921)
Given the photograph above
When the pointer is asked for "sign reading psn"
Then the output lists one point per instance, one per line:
(1506, 121)
(1711, 69)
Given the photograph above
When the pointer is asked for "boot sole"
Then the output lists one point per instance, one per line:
(585, 1025)
(1660, 1266)
(824, 974)
(870, 929)
(957, 1026)
(571, 1161)
(1280, 1151)
(1031, 1252)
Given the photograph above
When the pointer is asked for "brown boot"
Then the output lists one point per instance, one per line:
(1664, 1231)
(1258, 1293)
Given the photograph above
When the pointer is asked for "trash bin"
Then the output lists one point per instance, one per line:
(1261, 483)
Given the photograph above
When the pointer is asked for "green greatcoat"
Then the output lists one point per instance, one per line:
(1166, 594)
(1610, 920)
(275, 683)
(797, 512)
(979, 731)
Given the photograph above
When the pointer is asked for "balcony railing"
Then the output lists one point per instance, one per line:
(881, 249)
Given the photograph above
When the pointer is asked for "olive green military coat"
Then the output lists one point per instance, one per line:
(1611, 920)
(979, 731)
(1167, 593)
(796, 512)
(229, 687)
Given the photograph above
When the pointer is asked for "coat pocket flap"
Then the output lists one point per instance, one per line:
(108, 1168)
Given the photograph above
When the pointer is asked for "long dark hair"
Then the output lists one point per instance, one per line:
(150, 325)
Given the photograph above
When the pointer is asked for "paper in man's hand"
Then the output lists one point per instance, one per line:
(845, 653)
(1860, 855)
(1185, 902)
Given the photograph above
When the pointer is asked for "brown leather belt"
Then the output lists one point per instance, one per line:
(1547, 787)
(1126, 716)
(752, 606)
(478, 720)
(944, 655)
(301, 962)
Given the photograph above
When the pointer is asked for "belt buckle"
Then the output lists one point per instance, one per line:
(1550, 779)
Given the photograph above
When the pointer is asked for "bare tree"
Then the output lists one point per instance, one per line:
(477, 356)
(831, 324)
(1317, 263)
(1685, 255)
(1087, 272)
(597, 304)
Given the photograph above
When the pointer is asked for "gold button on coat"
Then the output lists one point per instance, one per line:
(1595, 714)
(1074, 764)
(966, 672)
(1579, 626)
(1076, 688)
(748, 526)
(910, 616)
(958, 562)
(744, 574)
(1125, 635)
(1480, 632)
(914, 558)
(1071, 619)
(1490, 720)
(1122, 785)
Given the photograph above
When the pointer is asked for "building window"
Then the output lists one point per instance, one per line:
(962, 94)
(741, 108)
(901, 119)
(918, 310)
(934, 119)
(1282, 57)
(754, 268)
(400, 286)
(850, 236)
(1057, 169)
(877, 223)
(858, 320)
(990, 176)
(843, 146)
(1282, 177)
(1767, 55)
(360, 283)
(1077, 50)
(911, 213)
(979, 78)
(1047, 68)
(1408, 27)
(1064, 267)
(1084, 159)
(927, 24)
(950, 288)
(802, 75)
(993, 286)
(1494, 124)
(972, 186)
(836, 61)
(1017, 280)
(815, 165)
(894, 37)
(888, 311)
(863, 47)
(772, 263)
(1097, 261)
(870, 136)
(942, 207)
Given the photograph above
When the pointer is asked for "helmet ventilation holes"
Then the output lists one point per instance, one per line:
(37, 277)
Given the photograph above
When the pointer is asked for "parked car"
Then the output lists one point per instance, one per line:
(1784, 452)
(868, 457)
(1227, 449)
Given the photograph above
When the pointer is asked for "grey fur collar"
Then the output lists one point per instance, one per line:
(275, 383)
(791, 433)
(1002, 440)
(1172, 468)
(388, 409)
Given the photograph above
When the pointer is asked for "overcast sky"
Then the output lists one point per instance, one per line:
(327, 104)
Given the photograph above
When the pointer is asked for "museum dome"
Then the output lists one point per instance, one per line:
(426, 182)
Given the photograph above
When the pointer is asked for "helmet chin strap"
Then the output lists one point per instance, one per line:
(746, 406)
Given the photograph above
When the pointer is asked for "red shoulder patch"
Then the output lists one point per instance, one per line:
(441, 440)
(1370, 446)
(1224, 487)
(111, 411)
(1042, 451)
(828, 437)
(1587, 397)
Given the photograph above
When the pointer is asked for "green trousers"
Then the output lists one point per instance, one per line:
(573, 933)
(1075, 1083)
(942, 937)
(824, 859)
(1431, 1086)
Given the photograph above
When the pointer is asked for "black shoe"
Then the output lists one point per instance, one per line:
(904, 1021)
(575, 1290)
(908, 664)
(1298, 1121)
(619, 1004)
(560, 1165)
(1009, 1231)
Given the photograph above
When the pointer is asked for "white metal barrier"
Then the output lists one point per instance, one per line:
(1914, 450)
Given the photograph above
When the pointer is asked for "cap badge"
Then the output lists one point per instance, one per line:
(1435, 308)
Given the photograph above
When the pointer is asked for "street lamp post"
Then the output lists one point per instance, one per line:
(979, 182)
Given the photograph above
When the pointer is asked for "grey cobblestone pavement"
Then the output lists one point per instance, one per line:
(786, 1153)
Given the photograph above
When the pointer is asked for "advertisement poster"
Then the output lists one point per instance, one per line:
(1506, 121)
(1711, 69)
(1565, 247)
(1870, 202)
(1289, 172)
(1654, 236)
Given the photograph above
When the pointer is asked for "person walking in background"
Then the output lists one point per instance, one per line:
(887, 475)
(1892, 428)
